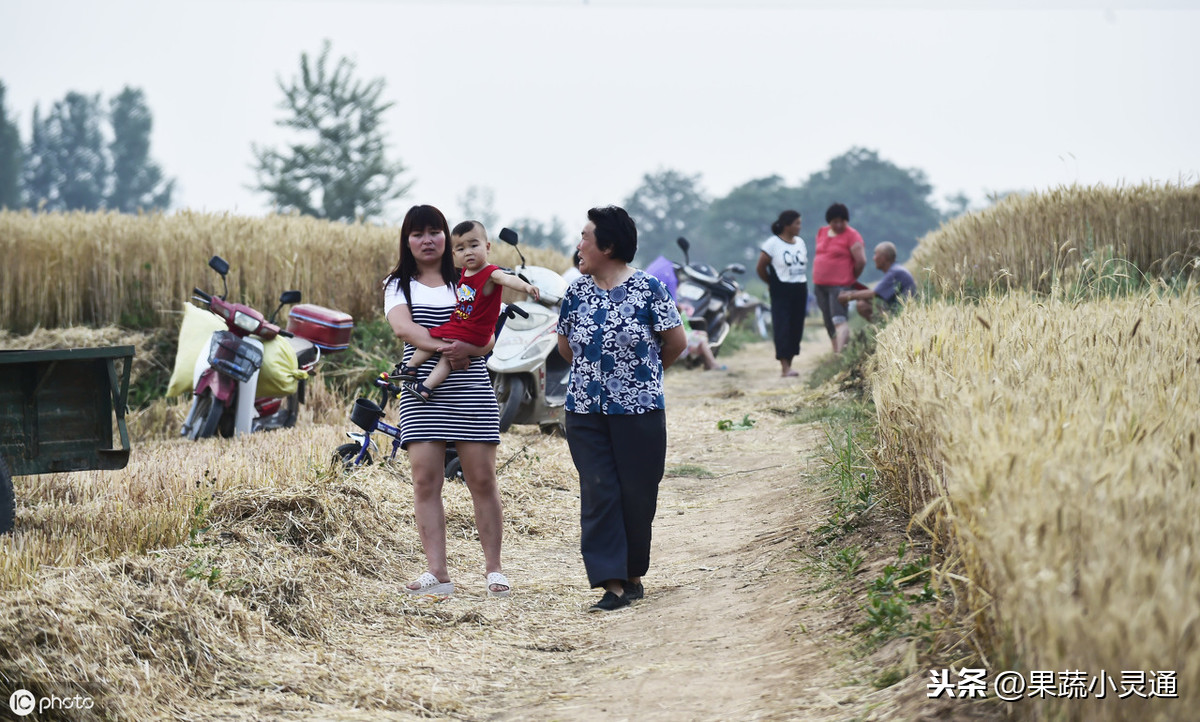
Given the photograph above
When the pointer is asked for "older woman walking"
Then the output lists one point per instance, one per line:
(419, 295)
(619, 329)
(839, 260)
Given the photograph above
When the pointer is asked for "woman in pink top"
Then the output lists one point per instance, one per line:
(836, 265)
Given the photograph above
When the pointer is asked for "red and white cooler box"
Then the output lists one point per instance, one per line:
(328, 329)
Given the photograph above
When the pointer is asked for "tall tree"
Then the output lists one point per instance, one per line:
(740, 222)
(39, 173)
(68, 168)
(11, 158)
(536, 234)
(668, 204)
(957, 204)
(478, 203)
(137, 181)
(339, 170)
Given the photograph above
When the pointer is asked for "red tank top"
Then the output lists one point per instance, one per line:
(474, 317)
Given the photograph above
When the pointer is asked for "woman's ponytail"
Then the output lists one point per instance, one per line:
(785, 219)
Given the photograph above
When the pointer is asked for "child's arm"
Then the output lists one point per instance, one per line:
(510, 281)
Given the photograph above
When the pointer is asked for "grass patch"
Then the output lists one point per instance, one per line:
(839, 415)
(849, 367)
(690, 470)
(853, 480)
(739, 336)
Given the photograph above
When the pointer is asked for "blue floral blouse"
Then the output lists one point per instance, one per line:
(614, 337)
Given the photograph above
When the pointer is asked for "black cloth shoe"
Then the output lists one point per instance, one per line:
(634, 592)
(609, 602)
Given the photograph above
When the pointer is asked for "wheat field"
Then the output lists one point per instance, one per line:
(102, 269)
(1051, 448)
(1059, 236)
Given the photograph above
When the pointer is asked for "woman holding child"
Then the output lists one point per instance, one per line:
(619, 329)
(419, 295)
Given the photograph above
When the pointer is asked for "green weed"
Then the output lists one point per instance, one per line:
(855, 490)
(201, 569)
(745, 424)
(848, 561)
(887, 607)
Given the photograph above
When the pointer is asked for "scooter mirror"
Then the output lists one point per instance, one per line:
(218, 264)
(509, 236)
(289, 297)
(683, 243)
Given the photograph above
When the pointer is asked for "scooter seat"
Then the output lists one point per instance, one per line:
(306, 351)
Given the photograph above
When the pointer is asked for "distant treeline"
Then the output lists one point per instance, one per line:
(886, 202)
(83, 155)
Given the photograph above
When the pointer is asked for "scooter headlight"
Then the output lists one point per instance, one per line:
(245, 321)
(690, 292)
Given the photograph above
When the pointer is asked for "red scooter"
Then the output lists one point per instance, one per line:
(226, 378)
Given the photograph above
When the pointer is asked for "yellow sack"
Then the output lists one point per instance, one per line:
(279, 375)
(194, 335)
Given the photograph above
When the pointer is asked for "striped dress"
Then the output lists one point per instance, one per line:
(464, 407)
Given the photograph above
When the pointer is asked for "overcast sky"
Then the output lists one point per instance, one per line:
(560, 106)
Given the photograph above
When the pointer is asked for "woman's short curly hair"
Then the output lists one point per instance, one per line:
(837, 210)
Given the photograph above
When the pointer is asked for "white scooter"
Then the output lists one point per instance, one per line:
(528, 373)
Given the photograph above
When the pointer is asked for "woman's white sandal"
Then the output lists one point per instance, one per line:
(498, 579)
(432, 586)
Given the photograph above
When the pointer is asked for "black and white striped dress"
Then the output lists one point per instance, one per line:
(464, 407)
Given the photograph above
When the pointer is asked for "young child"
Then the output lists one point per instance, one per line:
(474, 318)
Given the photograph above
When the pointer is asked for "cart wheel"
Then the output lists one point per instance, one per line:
(8, 507)
(345, 455)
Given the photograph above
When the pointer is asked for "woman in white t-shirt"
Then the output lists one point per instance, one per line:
(783, 265)
(419, 295)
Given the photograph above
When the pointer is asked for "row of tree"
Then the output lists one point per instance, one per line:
(83, 155)
(886, 202)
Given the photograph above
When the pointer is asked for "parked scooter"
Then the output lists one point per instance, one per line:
(528, 373)
(746, 306)
(710, 294)
(225, 378)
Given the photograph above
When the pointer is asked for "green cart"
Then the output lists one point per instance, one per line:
(56, 414)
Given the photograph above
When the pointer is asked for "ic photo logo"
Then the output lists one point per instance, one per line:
(23, 702)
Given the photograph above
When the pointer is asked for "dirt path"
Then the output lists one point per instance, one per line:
(717, 636)
(731, 627)
(736, 624)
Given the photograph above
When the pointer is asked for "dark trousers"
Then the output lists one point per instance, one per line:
(789, 305)
(620, 460)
